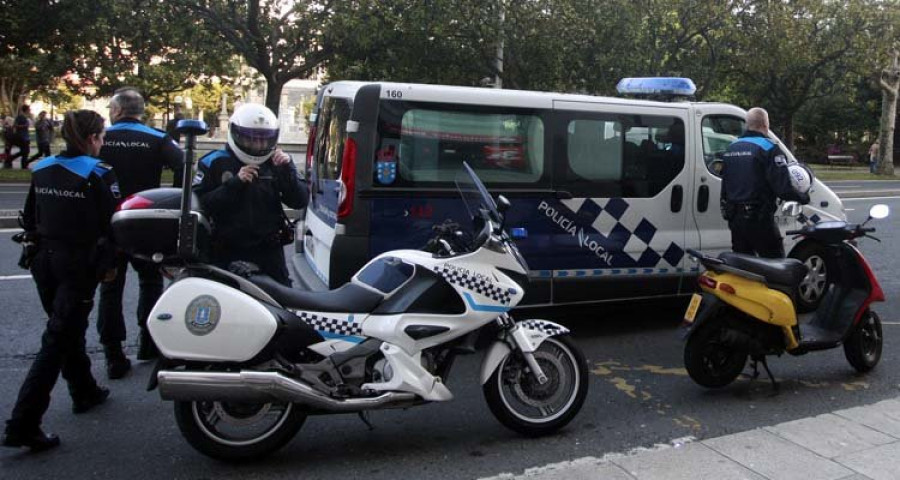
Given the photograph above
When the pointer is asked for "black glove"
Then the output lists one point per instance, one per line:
(29, 242)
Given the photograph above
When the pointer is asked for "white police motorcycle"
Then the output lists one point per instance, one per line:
(246, 360)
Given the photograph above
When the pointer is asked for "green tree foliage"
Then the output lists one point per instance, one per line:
(281, 39)
(150, 45)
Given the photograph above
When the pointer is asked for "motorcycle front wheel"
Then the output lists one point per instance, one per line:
(710, 360)
(863, 347)
(524, 405)
(238, 432)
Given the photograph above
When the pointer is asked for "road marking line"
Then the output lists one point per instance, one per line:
(890, 323)
(867, 198)
(15, 277)
(10, 230)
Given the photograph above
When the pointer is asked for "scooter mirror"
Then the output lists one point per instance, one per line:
(502, 204)
(879, 211)
(791, 209)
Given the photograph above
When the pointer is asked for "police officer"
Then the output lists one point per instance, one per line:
(243, 187)
(755, 174)
(68, 208)
(138, 153)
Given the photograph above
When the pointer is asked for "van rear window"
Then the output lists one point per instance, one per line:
(425, 144)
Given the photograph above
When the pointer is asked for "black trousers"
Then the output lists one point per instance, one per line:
(43, 150)
(269, 259)
(24, 150)
(110, 321)
(756, 237)
(66, 284)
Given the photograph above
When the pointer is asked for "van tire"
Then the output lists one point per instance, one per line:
(814, 285)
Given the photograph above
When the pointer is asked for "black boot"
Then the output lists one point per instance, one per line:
(36, 440)
(146, 348)
(117, 364)
(83, 404)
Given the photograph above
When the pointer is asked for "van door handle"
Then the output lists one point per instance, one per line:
(563, 194)
(703, 198)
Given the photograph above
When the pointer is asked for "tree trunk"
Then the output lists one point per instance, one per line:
(789, 131)
(890, 84)
(273, 94)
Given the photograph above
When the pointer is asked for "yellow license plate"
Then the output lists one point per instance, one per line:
(691, 312)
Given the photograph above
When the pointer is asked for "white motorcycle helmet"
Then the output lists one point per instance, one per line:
(801, 177)
(253, 133)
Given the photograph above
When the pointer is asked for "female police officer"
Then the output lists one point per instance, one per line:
(69, 205)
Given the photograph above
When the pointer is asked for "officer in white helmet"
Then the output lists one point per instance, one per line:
(242, 189)
(755, 174)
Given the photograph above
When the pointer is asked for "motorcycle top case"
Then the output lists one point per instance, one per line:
(147, 223)
(202, 320)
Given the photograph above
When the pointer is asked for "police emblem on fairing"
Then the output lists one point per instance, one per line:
(202, 315)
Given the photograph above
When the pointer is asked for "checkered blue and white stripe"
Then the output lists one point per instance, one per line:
(625, 229)
(331, 325)
(546, 327)
(475, 284)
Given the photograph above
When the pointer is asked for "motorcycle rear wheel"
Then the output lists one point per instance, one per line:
(521, 404)
(863, 347)
(709, 360)
(238, 432)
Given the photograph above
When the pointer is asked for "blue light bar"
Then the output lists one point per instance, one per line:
(656, 86)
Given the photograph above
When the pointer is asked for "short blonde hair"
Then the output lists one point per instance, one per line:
(758, 120)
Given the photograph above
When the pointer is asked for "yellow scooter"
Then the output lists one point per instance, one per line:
(747, 307)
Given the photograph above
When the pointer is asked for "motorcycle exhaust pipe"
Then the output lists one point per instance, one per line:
(260, 387)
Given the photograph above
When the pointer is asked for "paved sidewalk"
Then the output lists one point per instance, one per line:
(855, 444)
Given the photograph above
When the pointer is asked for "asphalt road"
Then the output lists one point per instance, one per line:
(12, 196)
(639, 395)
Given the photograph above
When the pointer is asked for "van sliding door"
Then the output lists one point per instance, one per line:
(619, 215)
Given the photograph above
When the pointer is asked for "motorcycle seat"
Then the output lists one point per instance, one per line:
(349, 298)
(779, 271)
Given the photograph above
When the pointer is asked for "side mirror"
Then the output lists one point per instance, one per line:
(879, 211)
(791, 209)
(502, 204)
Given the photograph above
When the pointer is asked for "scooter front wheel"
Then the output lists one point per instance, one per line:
(710, 360)
(237, 432)
(526, 406)
(863, 347)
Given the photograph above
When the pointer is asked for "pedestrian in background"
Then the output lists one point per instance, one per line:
(68, 210)
(20, 138)
(873, 156)
(171, 127)
(8, 141)
(43, 129)
(754, 176)
(138, 154)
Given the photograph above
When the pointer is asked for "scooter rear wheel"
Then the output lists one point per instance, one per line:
(710, 360)
(238, 432)
(863, 347)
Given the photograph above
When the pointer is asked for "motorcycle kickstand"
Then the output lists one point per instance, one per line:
(756, 359)
(364, 416)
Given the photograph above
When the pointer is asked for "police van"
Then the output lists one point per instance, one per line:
(606, 193)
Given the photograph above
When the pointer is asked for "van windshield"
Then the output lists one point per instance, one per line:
(426, 144)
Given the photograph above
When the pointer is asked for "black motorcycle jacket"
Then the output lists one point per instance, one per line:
(755, 173)
(247, 215)
(138, 153)
(71, 200)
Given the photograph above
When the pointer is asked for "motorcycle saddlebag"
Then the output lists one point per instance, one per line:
(146, 225)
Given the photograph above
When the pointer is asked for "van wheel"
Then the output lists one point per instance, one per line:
(710, 359)
(863, 347)
(812, 287)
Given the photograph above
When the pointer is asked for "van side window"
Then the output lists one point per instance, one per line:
(330, 137)
(424, 144)
(620, 156)
(718, 132)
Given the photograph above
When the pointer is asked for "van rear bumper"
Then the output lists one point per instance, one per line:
(303, 273)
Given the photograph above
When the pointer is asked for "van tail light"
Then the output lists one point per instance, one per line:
(707, 282)
(348, 180)
(310, 146)
(135, 202)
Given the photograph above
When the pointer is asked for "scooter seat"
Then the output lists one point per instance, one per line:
(779, 271)
(349, 298)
